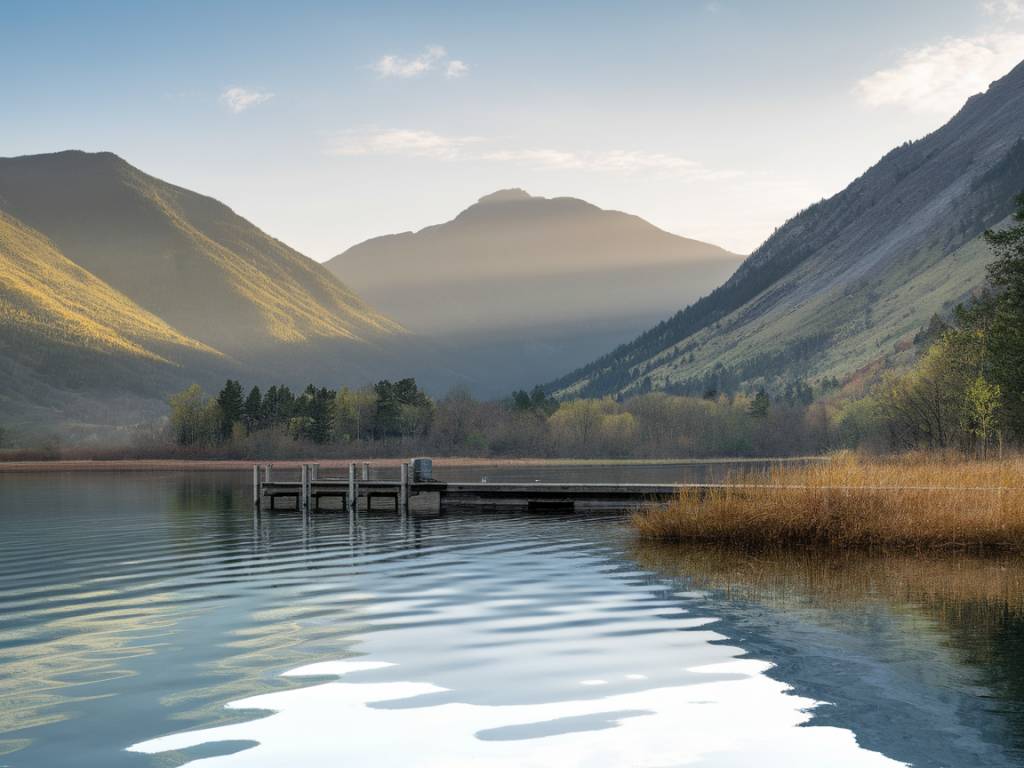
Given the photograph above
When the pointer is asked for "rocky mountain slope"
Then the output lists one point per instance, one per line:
(849, 280)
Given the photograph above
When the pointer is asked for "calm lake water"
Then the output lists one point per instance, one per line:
(149, 619)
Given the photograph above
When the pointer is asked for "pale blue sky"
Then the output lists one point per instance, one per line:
(327, 123)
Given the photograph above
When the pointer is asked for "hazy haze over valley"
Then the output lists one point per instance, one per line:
(518, 286)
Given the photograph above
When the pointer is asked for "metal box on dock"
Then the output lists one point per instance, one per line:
(422, 470)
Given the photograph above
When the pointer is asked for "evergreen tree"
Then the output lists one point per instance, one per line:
(231, 405)
(252, 411)
(402, 408)
(760, 404)
(1005, 337)
(521, 400)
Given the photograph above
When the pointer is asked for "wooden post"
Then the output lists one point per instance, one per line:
(256, 486)
(266, 473)
(366, 471)
(303, 493)
(403, 490)
(352, 488)
(316, 471)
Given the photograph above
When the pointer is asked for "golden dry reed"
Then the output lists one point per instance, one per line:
(913, 501)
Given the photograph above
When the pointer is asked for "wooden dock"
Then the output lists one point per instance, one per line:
(358, 488)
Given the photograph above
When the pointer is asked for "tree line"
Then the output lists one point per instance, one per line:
(398, 416)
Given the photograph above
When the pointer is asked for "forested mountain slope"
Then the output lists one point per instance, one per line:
(850, 279)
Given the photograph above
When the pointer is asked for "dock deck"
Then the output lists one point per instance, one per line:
(310, 489)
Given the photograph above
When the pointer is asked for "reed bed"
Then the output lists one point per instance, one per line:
(916, 501)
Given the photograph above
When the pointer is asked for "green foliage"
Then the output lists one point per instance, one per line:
(277, 407)
(535, 401)
(981, 408)
(931, 333)
(947, 400)
(195, 420)
(402, 409)
(231, 404)
(354, 414)
(394, 416)
(798, 392)
(1005, 336)
(760, 404)
(252, 411)
(314, 415)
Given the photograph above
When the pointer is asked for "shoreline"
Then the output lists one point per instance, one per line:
(238, 465)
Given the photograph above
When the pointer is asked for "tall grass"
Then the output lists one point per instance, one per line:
(913, 501)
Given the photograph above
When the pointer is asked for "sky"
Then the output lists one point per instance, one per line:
(326, 123)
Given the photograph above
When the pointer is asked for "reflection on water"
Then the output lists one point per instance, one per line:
(152, 620)
(922, 654)
(738, 716)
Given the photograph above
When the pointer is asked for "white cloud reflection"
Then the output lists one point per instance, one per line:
(739, 716)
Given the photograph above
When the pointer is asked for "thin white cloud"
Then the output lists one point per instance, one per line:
(545, 158)
(1006, 10)
(434, 57)
(398, 141)
(456, 68)
(404, 142)
(939, 78)
(621, 161)
(240, 99)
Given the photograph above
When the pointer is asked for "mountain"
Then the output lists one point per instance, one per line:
(68, 340)
(517, 286)
(118, 287)
(185, 257)
(849, 281)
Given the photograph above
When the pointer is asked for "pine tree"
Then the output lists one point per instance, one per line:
(231, 405)
(760, 405)
(1005, 337)
(252, 411)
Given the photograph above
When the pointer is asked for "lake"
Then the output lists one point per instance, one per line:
(151, 619)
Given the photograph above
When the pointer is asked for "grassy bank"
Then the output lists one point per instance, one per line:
(913, 501)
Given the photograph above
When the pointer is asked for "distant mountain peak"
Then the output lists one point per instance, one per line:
(506, 196)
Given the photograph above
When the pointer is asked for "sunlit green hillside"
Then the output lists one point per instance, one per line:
(44, 294)
(185, 257)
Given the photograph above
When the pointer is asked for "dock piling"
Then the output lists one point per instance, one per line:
(403, 490)
(366, 471)
(352, 499)
(257, 489)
